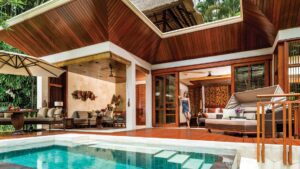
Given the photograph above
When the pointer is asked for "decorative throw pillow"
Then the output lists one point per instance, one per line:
(42, 112)
(57, 113)
(205, 115)
(228, 113)
(50, 112)
(211, 115)
(7, 115)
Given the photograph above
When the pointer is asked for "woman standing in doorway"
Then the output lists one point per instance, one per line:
(186, 107)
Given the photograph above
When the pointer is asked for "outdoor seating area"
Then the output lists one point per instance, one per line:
(165, 84)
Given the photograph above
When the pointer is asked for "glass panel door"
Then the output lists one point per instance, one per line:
(166, 99)
(257, 76)
(170, 99)
(241, 78)
(159, 100)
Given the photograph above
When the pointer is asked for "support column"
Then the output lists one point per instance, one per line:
(42, 91)
(149, 100)
(131, 97)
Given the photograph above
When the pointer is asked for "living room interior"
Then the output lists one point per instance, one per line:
(93, 92)
(209, 90)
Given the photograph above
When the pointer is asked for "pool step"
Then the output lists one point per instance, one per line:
(193, 164)
(165, 154)
(206, 166)
(130, 148)
(179, 159)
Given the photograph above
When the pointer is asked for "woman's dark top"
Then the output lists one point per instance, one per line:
(185, 106)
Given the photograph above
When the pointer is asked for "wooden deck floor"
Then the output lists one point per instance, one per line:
(174, 133)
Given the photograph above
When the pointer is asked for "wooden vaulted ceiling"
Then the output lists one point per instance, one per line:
(81, 23)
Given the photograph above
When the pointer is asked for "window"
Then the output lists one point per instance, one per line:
(249, 76)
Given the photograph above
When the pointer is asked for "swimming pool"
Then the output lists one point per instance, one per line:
(114, 154)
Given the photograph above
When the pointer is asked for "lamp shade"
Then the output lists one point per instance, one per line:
(58, 104)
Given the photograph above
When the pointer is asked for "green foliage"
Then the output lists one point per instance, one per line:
(11, 8)
(213, 10)
(17, 91)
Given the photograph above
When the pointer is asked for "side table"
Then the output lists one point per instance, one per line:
(68, 123)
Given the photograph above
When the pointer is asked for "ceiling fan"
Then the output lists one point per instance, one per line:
(111, 75)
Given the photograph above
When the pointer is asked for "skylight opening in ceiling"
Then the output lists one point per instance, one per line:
(172, 15)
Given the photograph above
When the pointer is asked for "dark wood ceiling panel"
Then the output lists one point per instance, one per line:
(127, 30)
(76, 24)
(226, 39)
(82, 23)
(282, 13)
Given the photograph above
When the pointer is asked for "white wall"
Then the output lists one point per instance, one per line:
(103, 90)
(183, 88)
(42, 91)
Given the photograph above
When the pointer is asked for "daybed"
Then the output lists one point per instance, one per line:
(245, 122)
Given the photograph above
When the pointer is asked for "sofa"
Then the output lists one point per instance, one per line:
(48, 116)
(82, 118)
(245, 122)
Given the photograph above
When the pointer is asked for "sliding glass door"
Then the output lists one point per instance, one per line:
(166, 100)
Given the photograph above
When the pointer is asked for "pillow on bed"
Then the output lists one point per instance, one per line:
(250, 115)
(211, 115)
(228, 112)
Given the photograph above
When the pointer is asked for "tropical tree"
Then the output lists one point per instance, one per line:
(213, 10)
(16, 90)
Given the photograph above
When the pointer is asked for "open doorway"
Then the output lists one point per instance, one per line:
(208, 89)
(140, 98)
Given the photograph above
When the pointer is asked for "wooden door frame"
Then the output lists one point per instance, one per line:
(176, 124)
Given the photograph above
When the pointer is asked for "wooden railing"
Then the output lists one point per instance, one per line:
(290, 113)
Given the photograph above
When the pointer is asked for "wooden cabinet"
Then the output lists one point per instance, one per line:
(248, 76)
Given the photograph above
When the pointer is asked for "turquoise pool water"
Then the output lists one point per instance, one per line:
(98, 157)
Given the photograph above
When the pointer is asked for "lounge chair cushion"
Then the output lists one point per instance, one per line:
(42, 112)
(83, 114)
(7, 115)
(227, 113)
(50, 112)
(109, 114)
(250, 115)
(80, 121)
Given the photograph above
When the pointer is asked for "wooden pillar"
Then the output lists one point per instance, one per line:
(283, 67)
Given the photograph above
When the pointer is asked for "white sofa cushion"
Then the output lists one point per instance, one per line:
(228, 113)
(50, 112)
(42, 112)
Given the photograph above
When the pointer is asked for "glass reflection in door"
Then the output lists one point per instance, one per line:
(165, 100)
